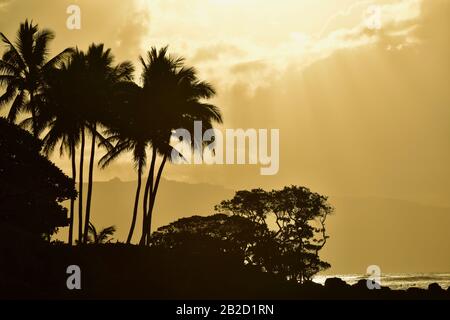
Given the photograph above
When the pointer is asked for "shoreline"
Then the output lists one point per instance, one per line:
(395, 281)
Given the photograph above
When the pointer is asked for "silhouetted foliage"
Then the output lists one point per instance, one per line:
(31, 187)
(220, 233)
(280, 232)
(296, 219)
(102, 236)
(23, 67)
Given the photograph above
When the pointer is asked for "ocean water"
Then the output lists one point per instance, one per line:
(399, 281)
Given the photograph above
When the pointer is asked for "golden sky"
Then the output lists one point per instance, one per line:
(361, 111)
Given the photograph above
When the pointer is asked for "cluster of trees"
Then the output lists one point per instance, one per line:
(78, 95)
(281, 231)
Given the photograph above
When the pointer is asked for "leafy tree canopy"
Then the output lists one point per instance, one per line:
(281, 231)
(31, 187)
(228, 234)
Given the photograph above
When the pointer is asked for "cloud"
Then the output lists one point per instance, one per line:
(102, 21)
(4, 4)
(364, 120)
(249, 67)
(214, 52)
(132, 34)
(341, 18)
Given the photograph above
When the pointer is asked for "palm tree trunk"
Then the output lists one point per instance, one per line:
(90, 185)
(148, 191)
(153, 199)
(72, 201)
(136, 205)
(80, 191)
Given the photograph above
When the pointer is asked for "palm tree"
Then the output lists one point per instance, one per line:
(59, 115)
(103, 78)
(175, 96)
(127, 132)
(23, 66)
(102, 237)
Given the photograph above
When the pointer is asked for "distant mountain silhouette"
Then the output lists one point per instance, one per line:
(397, 235)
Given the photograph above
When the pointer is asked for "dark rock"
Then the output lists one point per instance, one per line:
(435, 288)
(336, 284)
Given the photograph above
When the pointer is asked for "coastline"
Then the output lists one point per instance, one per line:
(395, 281)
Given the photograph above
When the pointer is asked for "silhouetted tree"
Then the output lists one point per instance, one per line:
(144, 117)
(174, 94)
(23, 66)
(298, 228)
(31, 187)
(128, 132)
(102, 77)
(62, 120)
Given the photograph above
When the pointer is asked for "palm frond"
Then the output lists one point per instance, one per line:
(105, 234)
(124, 71)
(7, 68)
(25, 42)
(13, 52)
(6, 79)
(92, 236)
(60, 57)
(51, 139)
(40, 48)
(114, 154)
(7, 96)
(26, 123)
(16, 107)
